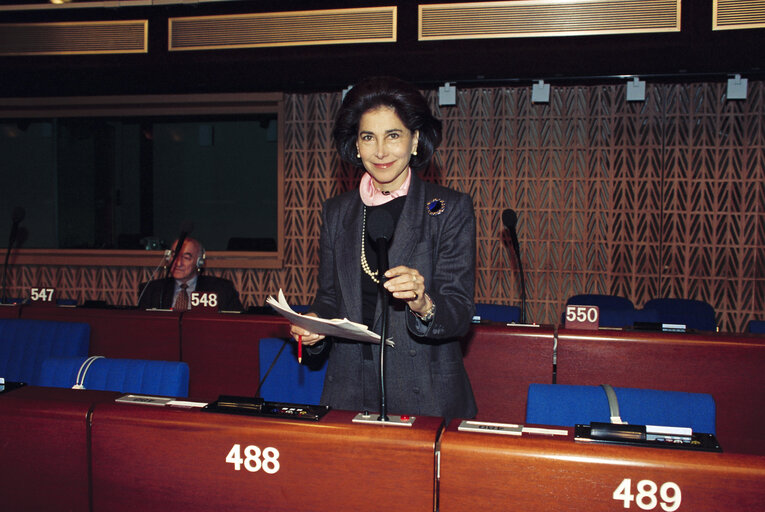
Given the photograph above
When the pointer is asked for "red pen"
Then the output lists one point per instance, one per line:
(300, 348)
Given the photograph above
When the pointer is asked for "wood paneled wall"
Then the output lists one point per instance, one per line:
(663, 197)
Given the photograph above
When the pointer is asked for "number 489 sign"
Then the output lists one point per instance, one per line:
(582, 317)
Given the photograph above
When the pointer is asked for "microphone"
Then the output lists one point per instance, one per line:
(510, 219)
(16, 217)
(380, 228)
(165, 256)
(186, 227)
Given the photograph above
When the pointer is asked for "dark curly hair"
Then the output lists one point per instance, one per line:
(408, 103)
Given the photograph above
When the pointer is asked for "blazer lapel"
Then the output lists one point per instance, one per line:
(348, 258)
(408, 230)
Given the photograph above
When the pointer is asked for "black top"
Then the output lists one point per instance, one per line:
(369, 289)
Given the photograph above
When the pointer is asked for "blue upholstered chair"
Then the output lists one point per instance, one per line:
(289, 381)
(147, 377)
(756, 326)
(25, 344)
(565, 405)
(615, 311)
(694, 314)
(498, 313)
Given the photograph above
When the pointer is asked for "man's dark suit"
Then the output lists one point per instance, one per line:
(425, 373)
(162, 290)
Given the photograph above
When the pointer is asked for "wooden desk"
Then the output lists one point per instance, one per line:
(501, 362)
(222, 351)
(44, 449)
(158, 458)
(10, 311)
(727, 366)
(539, 473)
(121, 333)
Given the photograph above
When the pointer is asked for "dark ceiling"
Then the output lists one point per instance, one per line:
(695, 53)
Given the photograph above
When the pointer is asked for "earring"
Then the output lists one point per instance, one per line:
(414, 153)
(358, 155)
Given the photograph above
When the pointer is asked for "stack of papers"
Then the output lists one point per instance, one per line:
(341, 328)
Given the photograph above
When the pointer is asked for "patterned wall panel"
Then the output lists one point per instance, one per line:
(713, 200)
(664, 197)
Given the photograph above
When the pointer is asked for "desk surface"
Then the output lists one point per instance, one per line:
(501, 362)
(152, 458)
(540, 473)
(121, 333)
(222, 351)
(727, 366)
(44, 448)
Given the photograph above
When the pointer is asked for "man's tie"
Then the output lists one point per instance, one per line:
(182, 300)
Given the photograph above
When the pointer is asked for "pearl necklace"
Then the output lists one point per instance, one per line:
(364, 264)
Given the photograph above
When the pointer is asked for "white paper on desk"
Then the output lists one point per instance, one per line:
(341, 328)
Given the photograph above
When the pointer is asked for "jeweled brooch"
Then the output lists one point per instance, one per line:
(435, 206)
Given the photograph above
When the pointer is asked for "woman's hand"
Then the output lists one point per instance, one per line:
(306, 337)
(408, 284)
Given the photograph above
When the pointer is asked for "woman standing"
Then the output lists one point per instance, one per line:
(385, 127)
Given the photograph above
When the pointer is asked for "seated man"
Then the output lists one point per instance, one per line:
(187, 278)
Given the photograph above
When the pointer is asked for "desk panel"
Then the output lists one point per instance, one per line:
(539, 473)
(502, 361)
(729, 367)
(44, 448)
(158, 458)
(10, 311)
(222, 351)
(119, 333)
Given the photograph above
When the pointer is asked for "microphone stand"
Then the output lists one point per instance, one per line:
(523, 280)
(382, 266)
(11, 241)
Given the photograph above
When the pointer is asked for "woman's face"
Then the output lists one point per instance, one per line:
(385, 146)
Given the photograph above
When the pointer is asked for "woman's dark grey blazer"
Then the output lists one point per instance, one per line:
(425, 374)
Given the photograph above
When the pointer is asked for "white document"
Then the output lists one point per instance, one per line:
(341, 328)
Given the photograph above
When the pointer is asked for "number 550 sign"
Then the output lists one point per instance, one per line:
(582, 317)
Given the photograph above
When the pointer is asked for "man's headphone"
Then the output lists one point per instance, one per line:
(201, 258)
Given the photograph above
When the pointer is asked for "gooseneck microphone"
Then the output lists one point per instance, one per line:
(510, 219)
(186, 227)
(380, 227)
(16, 217)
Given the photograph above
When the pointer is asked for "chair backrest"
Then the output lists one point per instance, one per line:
(757, 326)
(694, 314)
(147, 377)
(25, 344)
(615, 311)
(498, 312)
(566, 405)
(288, 380)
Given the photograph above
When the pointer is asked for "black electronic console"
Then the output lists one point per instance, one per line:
(6, 386)
(258, 407)
(646, 435)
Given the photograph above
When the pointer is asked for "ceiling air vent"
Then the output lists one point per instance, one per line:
(74, 38)
(299, 28)
(737, 14)
(546, 18)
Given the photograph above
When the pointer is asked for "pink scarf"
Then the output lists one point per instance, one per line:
(371, 196)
